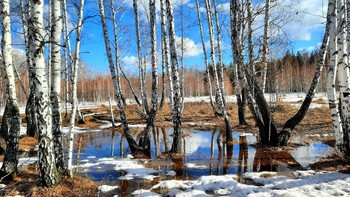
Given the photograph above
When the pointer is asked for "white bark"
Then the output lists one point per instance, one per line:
(166, 53)
(331, 80)
(115, 78)
(56, 27)
(207, 73)
(75, 67)
(250, 39)
(265, 44)
(182, 60)
(47, 166)
(31, 116)
(216, 78)
(10, 162)
(139, 55)
(221, 64)
(176, 111)
(343, 74)
(67, 51)
(153, 31)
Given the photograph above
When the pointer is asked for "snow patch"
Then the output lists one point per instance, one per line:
(305, 183)
(195, 166)
(171, 173)
(107, 188)
(145, 193)
(132, 168)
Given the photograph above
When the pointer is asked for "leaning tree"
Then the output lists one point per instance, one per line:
(268, 131)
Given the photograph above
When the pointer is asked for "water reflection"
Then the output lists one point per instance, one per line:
(206, 153)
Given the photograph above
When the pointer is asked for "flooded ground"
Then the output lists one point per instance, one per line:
(206, 154)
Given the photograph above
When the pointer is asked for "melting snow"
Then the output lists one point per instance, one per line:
(195, 166)
(132, 168)
(306, 183)
(107, 188)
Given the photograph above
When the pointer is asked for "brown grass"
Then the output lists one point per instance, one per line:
(27, 143)
(28, 184)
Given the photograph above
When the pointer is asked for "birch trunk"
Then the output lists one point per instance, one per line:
(115, 78)
(264, 120)
(163, 95)
(176, 110)
(67, 51)
(216, 78)
(221, 64)
(10, 162)
(331, 79)
(75, 67)
(56, 27)
(145, 141)
(265, 44)
(139, 55)
(182, 83)
(207, 73)
(166, 53)
(31, 116)
(47, 166)
(343, 75)
(297, 118)
(237, 53)
(250, 39)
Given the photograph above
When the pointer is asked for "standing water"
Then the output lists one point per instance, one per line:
(99, 156)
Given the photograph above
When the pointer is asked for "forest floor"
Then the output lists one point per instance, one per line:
(317, 123)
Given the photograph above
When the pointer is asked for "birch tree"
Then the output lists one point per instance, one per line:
(176, 110)
(265, 44)
(216, 77)
(134, 147)
(47, 166)
(221, 64)
(165, 53)
(56, 27)
(11, 134)
(139, 55)
(31, 116)
(75, 67)
(269, 134)
(339, 69)
(145, 140)
(67, 51)
(207, 72)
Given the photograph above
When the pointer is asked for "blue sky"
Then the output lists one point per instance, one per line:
(302, 24)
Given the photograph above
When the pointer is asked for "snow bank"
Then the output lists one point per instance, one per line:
(145, 193)
(132, 168)
(303, 183)
(107, 188)
(25, 161)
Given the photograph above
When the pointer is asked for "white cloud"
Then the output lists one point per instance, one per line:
(129, 64)
(304, 17)
(191, 49)
(130, 60)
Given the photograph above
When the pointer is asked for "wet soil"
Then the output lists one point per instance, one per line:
(196, 116)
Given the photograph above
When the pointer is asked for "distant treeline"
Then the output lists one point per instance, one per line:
(290, 73)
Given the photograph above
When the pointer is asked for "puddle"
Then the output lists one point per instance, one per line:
(206, 154)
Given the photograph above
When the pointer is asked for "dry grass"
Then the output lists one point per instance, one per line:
(27, 143)
(27, 184)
